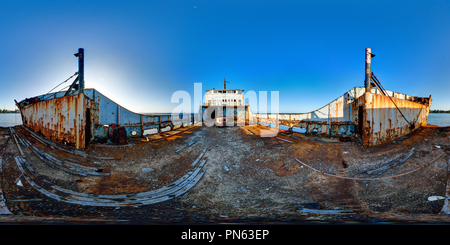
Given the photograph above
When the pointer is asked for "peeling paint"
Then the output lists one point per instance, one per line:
(60, 119)
(374, 115)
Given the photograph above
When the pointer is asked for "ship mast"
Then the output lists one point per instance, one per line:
(224, 82)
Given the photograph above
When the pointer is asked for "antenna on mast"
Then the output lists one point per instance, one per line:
(224, 82)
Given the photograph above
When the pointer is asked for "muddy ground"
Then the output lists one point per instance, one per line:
(248, 178)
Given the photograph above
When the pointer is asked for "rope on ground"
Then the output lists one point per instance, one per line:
(370, 179)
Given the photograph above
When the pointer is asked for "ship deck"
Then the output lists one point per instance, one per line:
(201, 174)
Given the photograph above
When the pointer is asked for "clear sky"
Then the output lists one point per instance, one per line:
(138, 53)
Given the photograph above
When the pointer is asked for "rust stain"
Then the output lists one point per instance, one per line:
(60, 120)
(389, 123)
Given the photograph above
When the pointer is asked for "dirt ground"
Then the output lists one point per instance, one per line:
(248, 178)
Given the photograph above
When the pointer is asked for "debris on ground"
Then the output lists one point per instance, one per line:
(266, 179)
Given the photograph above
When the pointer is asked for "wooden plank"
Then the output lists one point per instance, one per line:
(18, 146)
(189, 144)
(72, 151)
(248, 130)
(163, 194)
(284, 140)
(185, 180)
(66, 166)
(198, 158)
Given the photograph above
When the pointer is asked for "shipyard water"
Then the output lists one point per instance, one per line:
(10, 119)
(438, 119)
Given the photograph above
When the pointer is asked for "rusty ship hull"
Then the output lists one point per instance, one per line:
(236, 174)
(372, 117)
(79, 116)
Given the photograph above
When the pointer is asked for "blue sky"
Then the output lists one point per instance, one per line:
(138, 53)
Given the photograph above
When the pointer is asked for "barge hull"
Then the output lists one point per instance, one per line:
(371, 113)
(60, 119)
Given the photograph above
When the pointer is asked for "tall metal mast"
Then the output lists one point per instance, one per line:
(80, 70)
(224, 87)
(369, 56)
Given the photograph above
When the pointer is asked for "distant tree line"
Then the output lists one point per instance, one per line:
(439, 111)
(8, 111)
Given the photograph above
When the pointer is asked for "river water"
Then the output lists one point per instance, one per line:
(10, 119)
(438, 119)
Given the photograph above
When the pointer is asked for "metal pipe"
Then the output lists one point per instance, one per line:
(81, 70)
(368, 72)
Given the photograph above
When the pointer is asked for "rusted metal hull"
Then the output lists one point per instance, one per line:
(107, 115)
(371, 116)
(387, 118)
(78, 119)
(336, 119)
(61, 119)
(90, 116)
